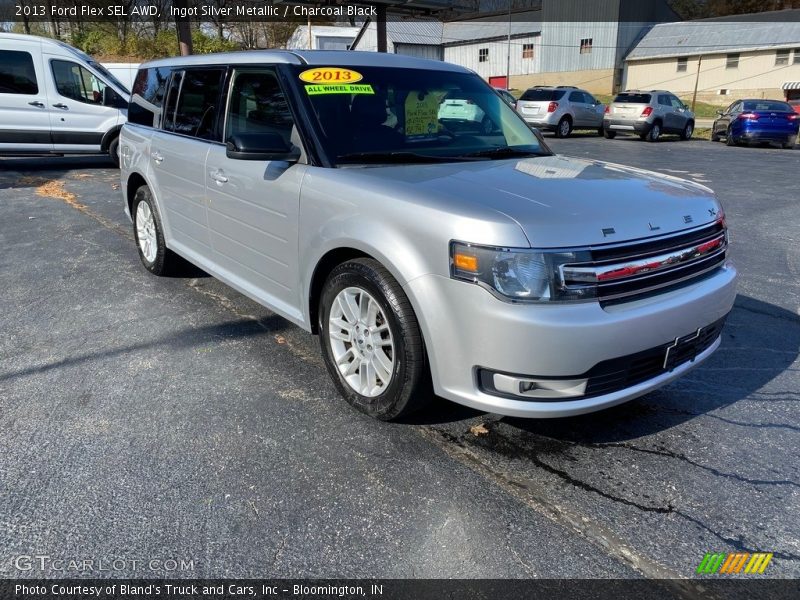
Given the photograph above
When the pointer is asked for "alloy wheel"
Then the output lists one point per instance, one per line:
(146, 232)
(361, 341)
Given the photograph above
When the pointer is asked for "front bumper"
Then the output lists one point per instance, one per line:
(466, 329)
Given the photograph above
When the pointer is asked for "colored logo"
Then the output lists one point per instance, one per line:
(736, 563)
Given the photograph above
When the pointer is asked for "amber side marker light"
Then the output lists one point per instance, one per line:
(465, 262)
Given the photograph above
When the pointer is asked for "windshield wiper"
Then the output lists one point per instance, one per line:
(503, 152)
(399, 157)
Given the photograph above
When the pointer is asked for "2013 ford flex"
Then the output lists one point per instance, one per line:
(425, 252)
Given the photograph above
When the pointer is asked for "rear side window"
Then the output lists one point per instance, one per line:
(540, 95)
(633, 98)
(77, 83)
(258, 105)
(17, 75)
(770, 105)
(147, 100)
(198, 104)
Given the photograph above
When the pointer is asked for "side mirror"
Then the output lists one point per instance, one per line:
(720, 113)
(260, 146)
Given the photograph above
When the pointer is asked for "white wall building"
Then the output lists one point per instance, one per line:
(323, 37)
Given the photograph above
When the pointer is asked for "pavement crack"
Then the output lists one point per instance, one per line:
(598, 534)
(682, 457)
(735, 543)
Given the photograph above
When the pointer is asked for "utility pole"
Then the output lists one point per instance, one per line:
(696, 80)
(310, 46)
(182, 26)
(508, 55)
(380, 27)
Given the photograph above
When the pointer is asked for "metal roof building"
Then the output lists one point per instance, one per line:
(719, 60)
(719, 36)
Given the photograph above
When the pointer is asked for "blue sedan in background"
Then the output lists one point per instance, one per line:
(757, 121)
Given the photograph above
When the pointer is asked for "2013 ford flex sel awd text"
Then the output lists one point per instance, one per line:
(425, 252)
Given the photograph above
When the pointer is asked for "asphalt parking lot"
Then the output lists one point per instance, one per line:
(146, 418)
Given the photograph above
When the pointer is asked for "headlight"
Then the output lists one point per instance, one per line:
(517, 274)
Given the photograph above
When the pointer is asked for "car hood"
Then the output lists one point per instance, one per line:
(560, 201)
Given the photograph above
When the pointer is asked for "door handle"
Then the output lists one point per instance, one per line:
(219, 177)
(156, 156)
(37, 104)
(60, 105)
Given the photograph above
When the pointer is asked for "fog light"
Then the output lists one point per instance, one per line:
(539, 388)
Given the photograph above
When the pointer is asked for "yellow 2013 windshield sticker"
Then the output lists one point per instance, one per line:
(330, 75)
(348, 88)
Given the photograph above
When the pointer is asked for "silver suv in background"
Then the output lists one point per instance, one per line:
(560, 109)
(648, 114)
(424, 253)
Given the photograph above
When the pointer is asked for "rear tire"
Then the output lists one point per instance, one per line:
(148, 234)
(654, 134)
(371, 341)
(564, 127)
(608, 134)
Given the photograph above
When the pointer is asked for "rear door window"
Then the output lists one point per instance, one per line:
(577, 97)
(540, 95)
(628, 98)
(17, 74)
(663, 100)
(197, 111)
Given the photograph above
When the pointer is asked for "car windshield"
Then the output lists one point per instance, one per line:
(109, 77)
(633, 98)
(540, 95)
(771, 105)
(400, 115)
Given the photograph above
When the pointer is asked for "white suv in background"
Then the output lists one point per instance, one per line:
(561, 109)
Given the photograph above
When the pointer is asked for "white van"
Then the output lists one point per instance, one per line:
(54, 99)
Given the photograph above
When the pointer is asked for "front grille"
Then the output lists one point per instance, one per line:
(623, 272)
(623, 372)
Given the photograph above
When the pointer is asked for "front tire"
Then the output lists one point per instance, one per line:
(687, 132)
(149, 235)
(371, 341)
(113, 151)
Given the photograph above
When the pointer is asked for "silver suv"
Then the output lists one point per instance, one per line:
(428, 255)
(648, 114)
(561, 109)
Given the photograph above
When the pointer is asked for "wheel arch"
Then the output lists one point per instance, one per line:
(108, 136)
